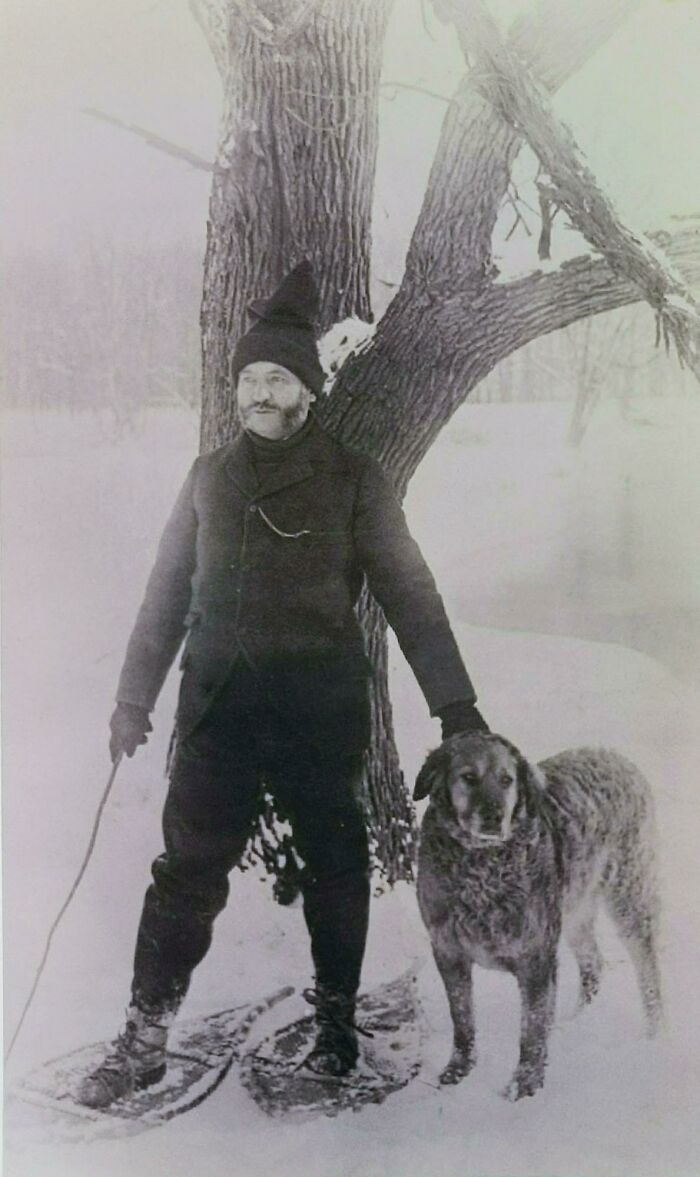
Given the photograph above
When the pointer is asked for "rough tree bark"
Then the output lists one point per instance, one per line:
(295, 168)
(294, 177)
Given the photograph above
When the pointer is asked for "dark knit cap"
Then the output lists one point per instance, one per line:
(283, 331)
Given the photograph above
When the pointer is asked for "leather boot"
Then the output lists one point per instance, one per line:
(137, 1060)
(336, 1049)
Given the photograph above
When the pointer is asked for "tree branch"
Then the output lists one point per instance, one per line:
(501, 79)
(556, 38)
(154, 140)
(212, 18)
(471, 171)
(428, 354)
(546, 301)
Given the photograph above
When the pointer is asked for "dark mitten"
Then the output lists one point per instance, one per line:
(129, 726)
(461, 716)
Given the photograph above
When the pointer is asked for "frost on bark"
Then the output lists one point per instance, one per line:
(294, 178)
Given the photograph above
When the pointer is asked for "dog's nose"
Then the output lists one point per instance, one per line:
(491, 818)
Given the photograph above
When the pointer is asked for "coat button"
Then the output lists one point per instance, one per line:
(253, 508)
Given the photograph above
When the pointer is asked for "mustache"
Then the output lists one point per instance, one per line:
(290, 414)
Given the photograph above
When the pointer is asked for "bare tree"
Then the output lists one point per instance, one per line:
(294, 177)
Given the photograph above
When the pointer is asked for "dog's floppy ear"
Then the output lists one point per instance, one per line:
(531, 784)
(432, 772)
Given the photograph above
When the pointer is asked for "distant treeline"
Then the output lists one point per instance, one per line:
(105, 328)
(117, 328)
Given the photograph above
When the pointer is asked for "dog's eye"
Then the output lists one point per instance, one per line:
(506, 780)
(467, 777)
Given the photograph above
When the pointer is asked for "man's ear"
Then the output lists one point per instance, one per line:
(431, 774)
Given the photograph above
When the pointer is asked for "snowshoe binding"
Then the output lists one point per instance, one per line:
(137, 1060)
(335, 1050)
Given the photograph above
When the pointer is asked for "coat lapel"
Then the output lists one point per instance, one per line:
(240, 469)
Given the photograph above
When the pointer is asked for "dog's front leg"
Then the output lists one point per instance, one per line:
(536, 979)
(456, 972)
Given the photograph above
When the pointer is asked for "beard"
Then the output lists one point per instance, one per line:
(288, 419)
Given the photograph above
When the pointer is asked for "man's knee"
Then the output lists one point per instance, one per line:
(201, 887)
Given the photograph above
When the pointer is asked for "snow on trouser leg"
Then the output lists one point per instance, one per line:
(175, 933)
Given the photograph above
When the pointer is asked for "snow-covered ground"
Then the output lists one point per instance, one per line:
(564, 571)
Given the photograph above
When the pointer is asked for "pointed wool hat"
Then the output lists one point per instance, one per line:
(283, 330)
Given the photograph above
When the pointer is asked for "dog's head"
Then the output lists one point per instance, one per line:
(484, 782)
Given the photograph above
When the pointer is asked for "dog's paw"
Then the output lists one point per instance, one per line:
(523, 1084)
(457, 1069)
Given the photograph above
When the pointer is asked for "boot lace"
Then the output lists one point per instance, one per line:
(132, 1050)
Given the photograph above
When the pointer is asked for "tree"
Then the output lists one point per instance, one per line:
(294, 177)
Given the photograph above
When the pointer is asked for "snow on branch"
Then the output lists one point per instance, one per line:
(212, 18)
(472, 167)
(548, 299)
(500, 79)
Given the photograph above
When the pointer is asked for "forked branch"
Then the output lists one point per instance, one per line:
(500, 77)
(546, 301)
(472, 167)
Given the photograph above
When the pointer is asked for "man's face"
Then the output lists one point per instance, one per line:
(272, 401)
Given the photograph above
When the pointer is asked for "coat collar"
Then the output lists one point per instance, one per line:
(301, 464)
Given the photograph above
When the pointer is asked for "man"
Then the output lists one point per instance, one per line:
(259, 568)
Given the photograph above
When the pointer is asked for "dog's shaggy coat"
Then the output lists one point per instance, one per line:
(509, 855)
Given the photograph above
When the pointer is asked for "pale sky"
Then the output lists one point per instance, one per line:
(634, 110)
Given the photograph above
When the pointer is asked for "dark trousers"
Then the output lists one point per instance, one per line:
(246, 742)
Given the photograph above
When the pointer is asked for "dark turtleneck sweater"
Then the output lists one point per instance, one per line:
(266, 453)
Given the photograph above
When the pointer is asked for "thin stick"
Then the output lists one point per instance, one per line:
(71, 893)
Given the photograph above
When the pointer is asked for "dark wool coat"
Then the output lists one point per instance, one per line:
(270, 573)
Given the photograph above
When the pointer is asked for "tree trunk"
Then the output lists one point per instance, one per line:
(294, 178)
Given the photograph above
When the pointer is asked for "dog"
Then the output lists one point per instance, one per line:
(510, 855)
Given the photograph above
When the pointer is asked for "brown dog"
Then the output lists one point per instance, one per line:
(511, 853)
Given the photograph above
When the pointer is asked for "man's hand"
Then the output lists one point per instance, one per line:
(461, 717)
(129, 726)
